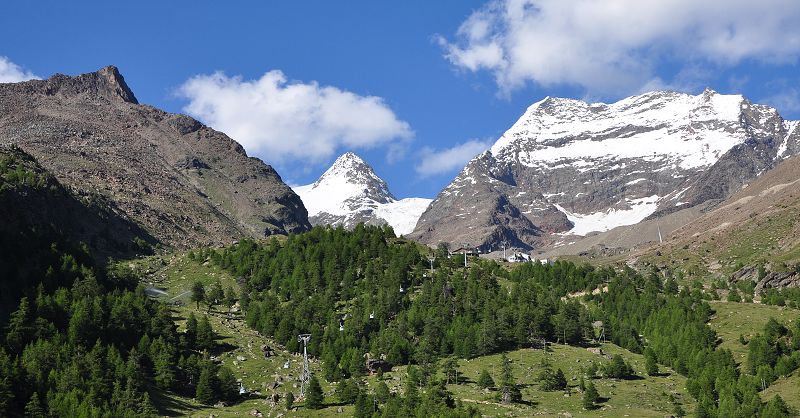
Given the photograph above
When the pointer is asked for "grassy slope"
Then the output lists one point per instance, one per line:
(645, 397)
(733, 319)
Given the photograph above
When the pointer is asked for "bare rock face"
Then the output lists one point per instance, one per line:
(568, 168)
(182, 182)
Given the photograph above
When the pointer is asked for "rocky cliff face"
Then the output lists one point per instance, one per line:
(568, 167)
(182, 182)
(350, 192)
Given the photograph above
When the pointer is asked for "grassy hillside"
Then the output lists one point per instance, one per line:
(756, 226)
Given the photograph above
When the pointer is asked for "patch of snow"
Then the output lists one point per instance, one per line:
(611, 218)
(403, 214)
(790, 128)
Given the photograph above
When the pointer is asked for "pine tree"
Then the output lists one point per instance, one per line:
(230, 297)
(34, 408)
(485, 380)
(228, 386)
(314, 396)
(215, 295)
(205, 335)
(382, 392)
(205, 386)
(289, 400)
(18, 330)
(198, 293)
(509, 391)
(650, 363)
(450, 369)
(590, 396)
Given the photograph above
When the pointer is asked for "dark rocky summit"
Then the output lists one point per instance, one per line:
(183, 183)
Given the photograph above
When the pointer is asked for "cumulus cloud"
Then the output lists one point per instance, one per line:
(615, 45)
(13, 73)
(282, 120)
(433, 162)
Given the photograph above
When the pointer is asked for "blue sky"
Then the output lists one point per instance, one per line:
(414, 87)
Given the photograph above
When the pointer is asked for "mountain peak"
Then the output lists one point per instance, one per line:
(106, 82)
(350, 192)
(349, 168)
(349, 160)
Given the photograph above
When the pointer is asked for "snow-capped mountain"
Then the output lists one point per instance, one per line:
(350, 192)
(571, 168)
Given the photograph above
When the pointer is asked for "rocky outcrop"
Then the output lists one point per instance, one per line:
(770, 280)
(182, 182)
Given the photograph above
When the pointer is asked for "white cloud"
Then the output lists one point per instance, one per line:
(282, 120)
(443, 161)
(615, 45)
(13, 73)
(786, 101)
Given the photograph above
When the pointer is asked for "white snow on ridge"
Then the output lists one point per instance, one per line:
(611, 218)
(675, 127)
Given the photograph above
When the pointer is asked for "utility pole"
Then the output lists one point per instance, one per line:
(306, 376)
(464, 247)
(659, 234)
(431, 258)
(505, 243)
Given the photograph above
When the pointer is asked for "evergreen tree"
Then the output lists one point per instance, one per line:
(618, 368)
(509, 392)
(230, 297)
(650, 363)
(485, 380)
(205, 392)
(191, 329)
(228, 386)
(382, 393)
(205, 335)
(18, 330)
(34, 408)
(289, 400)
(552, 380)
(590, 396)
(347, 391)
(450, 369)
(198, 293)
(244, 300)
(776, 408)
(314, 396)
(215, 295)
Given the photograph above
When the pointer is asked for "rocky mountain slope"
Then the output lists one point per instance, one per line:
(350, 192)
(182, 182)
(757, 226)
(569, 168)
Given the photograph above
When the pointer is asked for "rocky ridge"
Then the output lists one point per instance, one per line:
(182, 182)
